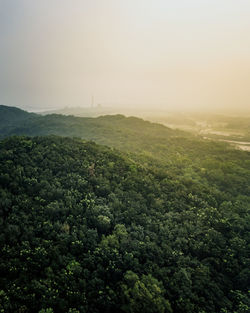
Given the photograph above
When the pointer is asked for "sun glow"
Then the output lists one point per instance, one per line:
(178, 54)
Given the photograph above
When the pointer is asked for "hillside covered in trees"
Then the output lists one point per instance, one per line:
(86, 228)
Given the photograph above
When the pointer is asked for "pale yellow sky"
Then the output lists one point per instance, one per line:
(183, 54)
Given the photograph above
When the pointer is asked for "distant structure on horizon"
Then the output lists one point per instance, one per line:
(92, 101)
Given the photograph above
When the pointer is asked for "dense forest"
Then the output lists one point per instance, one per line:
(160, 225)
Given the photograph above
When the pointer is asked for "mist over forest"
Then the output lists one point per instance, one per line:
(124, 156)
(131, 215)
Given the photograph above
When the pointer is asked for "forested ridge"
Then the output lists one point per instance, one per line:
(159, 227)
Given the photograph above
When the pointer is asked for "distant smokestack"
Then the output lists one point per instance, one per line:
(92, 101)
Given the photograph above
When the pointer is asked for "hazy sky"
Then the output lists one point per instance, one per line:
(158, 53)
